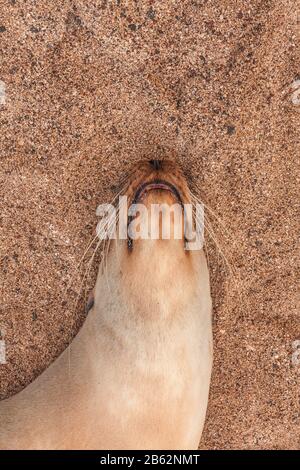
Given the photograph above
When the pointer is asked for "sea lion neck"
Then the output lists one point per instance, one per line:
(158, 280)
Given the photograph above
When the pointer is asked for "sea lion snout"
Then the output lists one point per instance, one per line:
(156, 164)
(158, 186)
(158, 174)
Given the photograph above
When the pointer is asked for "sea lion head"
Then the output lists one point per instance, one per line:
(153, 263)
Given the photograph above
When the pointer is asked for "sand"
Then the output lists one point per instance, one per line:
(88, 88)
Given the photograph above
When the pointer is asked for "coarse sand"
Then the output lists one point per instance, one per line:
(87, 89)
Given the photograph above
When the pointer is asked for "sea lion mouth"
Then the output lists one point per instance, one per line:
(154, 185)
(146, 187)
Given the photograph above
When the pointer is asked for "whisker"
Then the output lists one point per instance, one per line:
(208, 228)
(90, 244)
(238, 284)
(206, 206)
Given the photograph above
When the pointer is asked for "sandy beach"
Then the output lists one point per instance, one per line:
(89, 88)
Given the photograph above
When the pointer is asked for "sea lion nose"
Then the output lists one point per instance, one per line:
(156, 164)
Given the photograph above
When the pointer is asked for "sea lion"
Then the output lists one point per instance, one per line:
(140, 366)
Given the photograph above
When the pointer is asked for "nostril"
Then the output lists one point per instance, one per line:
(156, 164)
